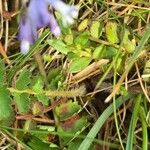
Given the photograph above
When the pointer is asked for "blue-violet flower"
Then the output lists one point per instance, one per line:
(37, 15)
(69, 13)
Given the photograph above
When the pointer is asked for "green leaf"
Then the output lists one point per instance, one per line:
(110, 52)
(23, 80)
(69, 39)
(95, 29)
(55, 76)
(23, 102)
(126, 43)
(2, 72)
(59, 45)
(111, 32)
(66, 110)
(78, 125)
(82, 39)
(79, 64)
(5, 103)
(98, 52)
(72, 128)
(38, 88)
(53, 73)
(83, 25)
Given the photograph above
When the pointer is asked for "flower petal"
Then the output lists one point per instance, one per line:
(38, 11)
(36, 16)
(27, 32)
(24, 46)
(69, 13)
(54, 26)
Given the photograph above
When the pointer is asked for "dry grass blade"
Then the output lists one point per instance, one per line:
(88, 70)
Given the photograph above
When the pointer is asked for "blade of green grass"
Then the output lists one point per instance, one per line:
(99, 123)
(134, 118)
(144, 129)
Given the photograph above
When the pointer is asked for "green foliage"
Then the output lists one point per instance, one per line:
(59, 45)
(38, 88)
(46, 122)
(82, 39)
(100, 121)
(78, 65)
(134, 118)
(70, 121)
(29, 125)
(22, 99)
(127, 43)
(55, 77)
(66, 110)
(23, 80)
(2, 72)
(146, 72)
(95, 29)
(6, 112)
(98, 52)
(5, 105)
(83, 25)
(69, 39)
(36, 144)
(111, 32)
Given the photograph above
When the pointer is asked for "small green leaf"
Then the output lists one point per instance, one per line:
(38, 88)
(37, 108)
(68, 39)
(127, 43)
(83, 25)
(79, 64)
(59, 45)
(111, 32)
(5, 103)
(95, 29)
(82, 39)
(78, 125)
(23, 80)
(73, 127)
(22, 101)
(110, 52)
(98, 52)
(66, 110)
(55, 76)
(53, 73)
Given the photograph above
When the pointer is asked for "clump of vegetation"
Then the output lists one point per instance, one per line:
(87, 88)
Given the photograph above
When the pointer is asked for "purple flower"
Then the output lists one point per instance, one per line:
(36, 16)
(69, 13)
